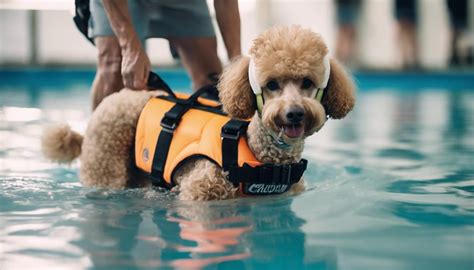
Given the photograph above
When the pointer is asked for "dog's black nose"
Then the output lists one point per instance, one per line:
(295, 114)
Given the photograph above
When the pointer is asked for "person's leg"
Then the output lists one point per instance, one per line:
(188, 27)
(108, 78)
(458, 18)
(346, 36)
(199, 57)
(407, 43)
(406, 14)
(347, 16)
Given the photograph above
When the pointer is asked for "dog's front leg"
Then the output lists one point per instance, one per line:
(298, 187)
(202, 180)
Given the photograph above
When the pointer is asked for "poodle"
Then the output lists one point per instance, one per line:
(274, 87)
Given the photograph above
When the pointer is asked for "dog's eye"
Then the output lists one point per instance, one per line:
(273, 85)
(307, 84)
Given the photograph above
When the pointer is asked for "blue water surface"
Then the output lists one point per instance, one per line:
(389, 187)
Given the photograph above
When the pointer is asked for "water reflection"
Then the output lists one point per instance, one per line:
(220, 235)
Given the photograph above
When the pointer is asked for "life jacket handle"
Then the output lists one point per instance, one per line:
(156, 82)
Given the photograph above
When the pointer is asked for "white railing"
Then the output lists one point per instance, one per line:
(37, 4)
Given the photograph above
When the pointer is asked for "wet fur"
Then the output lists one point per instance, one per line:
(286, 53)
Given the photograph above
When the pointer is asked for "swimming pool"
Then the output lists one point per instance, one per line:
(389, 187)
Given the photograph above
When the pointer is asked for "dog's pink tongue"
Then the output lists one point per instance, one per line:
(293, 131)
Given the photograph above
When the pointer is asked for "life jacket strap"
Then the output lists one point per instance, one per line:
(267, 178)
(82, 16)
(230, 134)
(156, 82)
(169, 122)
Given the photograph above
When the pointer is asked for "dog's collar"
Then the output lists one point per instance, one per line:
(257, 89)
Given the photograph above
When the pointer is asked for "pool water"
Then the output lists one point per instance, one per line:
(389, 187)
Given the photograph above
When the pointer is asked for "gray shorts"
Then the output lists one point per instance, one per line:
(158, 18)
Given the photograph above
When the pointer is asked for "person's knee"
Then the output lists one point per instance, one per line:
(202, 75)
(198, 79)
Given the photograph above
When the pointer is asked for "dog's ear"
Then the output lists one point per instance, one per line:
(235, 92)
(340, 92)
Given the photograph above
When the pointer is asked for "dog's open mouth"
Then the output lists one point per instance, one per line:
(293, 131)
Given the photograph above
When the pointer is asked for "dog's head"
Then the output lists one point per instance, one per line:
(283, 80)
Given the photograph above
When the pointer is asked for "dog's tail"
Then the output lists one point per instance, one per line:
(61, 144)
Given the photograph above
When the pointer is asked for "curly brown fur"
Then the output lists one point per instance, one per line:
(202, 180)
(340, 98)
(289, 52)
(61, 144)
(106, 151)
(234, 90)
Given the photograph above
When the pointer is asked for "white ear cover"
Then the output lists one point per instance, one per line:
(327, 71)
(253, 78)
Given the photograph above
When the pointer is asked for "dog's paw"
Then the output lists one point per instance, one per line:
(297, 188)
(207, 190)
(202, 180)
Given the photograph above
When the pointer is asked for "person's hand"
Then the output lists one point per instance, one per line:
(135, 67)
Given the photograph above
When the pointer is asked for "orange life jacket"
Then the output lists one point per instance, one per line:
(173, 130)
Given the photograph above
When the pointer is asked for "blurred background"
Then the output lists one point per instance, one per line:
(364, 34)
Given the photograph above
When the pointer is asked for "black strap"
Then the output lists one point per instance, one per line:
(156, 82)
(325, 93)
(204, 92)
(169, 123)
(231, 133)
(211, 92)
(287, 174)
(82, 16)
(159, 158)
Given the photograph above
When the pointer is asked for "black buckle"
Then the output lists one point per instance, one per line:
(168, 124)
(286, 173)
(279, 174)
(230, 134)
(282, 173)
(266, 172)
(235, 174)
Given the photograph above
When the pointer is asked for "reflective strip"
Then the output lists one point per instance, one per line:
(320, 94)
(259, 103)
(257, 90)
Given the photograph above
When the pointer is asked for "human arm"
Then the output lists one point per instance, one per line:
(135, 62)
(228, 19)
